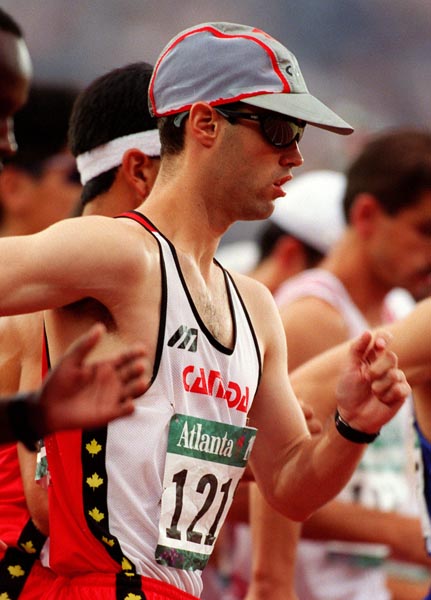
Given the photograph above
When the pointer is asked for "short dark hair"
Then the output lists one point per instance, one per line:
(41, 125)
(8, 23)
(394, 166)
(112, 106)
(171, 135)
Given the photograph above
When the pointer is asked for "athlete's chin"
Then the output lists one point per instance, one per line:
(264, 211)
(262, 208)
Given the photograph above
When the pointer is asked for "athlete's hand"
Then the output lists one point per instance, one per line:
(371, 388)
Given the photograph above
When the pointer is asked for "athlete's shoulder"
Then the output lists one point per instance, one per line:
(251, 288)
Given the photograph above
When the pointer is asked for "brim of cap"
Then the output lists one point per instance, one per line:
(305, 107)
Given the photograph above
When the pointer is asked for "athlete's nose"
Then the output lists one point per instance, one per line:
(291, 156)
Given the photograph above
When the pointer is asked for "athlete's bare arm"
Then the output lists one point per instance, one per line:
(284, 457)
(21, 353)
(115, 262)
(70, 260)
(10, 356)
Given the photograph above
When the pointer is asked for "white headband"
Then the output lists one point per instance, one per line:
(109, 155)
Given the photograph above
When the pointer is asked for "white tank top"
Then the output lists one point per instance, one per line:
(159, 484)
(349, 571)
(319, 283)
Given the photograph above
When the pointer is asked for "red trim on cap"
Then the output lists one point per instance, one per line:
(267, 49)
(220, 34)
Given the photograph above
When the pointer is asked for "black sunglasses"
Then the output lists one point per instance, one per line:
(278, 130)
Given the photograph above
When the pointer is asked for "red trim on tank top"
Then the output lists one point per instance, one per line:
(138, 217)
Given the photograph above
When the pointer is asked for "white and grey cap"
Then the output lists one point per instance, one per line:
(220, 63)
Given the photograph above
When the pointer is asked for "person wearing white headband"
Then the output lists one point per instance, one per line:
(136, 507)
(103, 158)
(118, 146)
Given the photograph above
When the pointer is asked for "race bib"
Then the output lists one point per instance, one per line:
(204, 463)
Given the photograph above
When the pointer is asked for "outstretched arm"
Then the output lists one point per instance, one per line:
(370, 391)
(76, 394)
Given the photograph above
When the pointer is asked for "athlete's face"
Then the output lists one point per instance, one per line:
(15, 75)
(402, 247)
(254, 169)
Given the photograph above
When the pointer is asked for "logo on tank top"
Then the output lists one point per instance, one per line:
(185, 338)
(211, 383)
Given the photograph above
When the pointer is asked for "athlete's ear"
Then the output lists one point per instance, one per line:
(140, 170)
(365, 214)
(203, 123)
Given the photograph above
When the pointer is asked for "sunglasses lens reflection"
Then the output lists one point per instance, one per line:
(281, 132)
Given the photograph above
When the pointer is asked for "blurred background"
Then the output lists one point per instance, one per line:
(369, 60)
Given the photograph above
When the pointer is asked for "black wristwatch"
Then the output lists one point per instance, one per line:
(352, 434)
